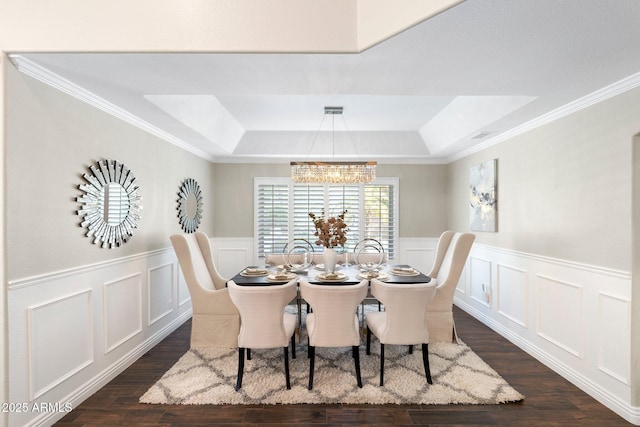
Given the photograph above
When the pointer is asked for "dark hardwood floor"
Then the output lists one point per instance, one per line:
(549, 401)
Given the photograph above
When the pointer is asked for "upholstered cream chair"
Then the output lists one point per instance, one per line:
(263, 322)
(215, 321)
(333, 321)
(451, 257)
(403, 321)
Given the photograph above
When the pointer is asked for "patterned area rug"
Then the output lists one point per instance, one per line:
(208, 376)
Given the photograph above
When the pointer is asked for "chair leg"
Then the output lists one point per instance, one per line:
(240, 367)
(368, 341)
(411, 349)
(293, 346)
(312, 357)
(356, 357)
(381, 364)
(425, 361)
(248, 354)
(286, 367)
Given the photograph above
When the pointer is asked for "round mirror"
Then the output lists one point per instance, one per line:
(189, 205)
(110, 204)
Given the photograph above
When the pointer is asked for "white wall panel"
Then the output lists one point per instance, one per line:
(183, 290)
(560, 314)
(573, 317)
(72, 331)
(614, 336)
(480, 270)
(161, 292)
(232, 255)
(122, 310)
(60, 340)
(512, 288)
(416, 252)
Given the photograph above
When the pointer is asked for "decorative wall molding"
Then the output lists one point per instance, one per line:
(50, 78)
(122, 315)
(54, 357)
(74, 271)
(161, 292)
(575, 318)
(73, 331)
(586, 101)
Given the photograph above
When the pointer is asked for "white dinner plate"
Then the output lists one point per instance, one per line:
(254, 272)
(280, 277)
(336, 277)
(381, 276)
(404, 272)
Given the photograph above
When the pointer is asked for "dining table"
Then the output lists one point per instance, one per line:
(350, 274)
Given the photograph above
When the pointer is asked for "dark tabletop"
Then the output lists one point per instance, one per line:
(354, 275)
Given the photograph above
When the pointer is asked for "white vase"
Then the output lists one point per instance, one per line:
(329, 256)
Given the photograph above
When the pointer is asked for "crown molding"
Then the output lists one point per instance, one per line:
(593, 98)
(50, 78)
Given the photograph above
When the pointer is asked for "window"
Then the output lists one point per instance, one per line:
(283, 211)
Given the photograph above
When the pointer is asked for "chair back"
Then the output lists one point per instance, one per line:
(261, 313)
(405, 310)
(451, 257)
(196, 261)
(333, 322)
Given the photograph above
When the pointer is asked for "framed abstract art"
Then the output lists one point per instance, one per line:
(483, 202)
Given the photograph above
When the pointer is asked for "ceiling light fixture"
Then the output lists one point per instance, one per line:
(333, 172)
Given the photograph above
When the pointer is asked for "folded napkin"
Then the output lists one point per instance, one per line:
(249, 270)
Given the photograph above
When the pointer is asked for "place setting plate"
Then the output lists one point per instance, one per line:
(380, 275)
(254, 272)
(404, 271)
(281, 276)
(332, 277)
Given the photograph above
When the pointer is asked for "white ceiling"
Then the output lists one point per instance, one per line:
(420, 97)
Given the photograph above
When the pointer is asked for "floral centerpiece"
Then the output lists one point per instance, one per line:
(331, 232)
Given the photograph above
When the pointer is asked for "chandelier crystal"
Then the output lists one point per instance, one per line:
(333, 172)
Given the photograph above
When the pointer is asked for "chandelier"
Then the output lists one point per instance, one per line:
(333, 172)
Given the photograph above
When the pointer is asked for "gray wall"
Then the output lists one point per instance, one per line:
(52, 139)
(564, 189)
(422, 195)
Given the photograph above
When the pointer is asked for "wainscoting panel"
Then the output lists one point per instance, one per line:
(122, 310)
(512, 289)
(231, 255)
(574, 318)
(480, 280)
(184, 296)
(613, 336)
(560, 314)
(161, 292)
(418, 253)
(60, 340)
(72, 331)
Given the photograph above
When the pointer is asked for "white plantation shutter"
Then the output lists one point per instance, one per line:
(283, 212)
(272, 217)
(306, 198)
(379, 218)
(346, 197)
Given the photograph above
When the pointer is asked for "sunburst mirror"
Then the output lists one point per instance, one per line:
(189, 205)
(110, 204)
